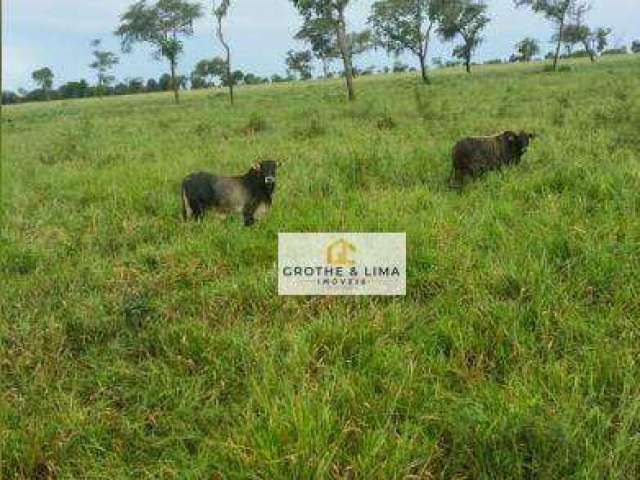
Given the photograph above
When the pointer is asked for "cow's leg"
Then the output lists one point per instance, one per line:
(248, 213)
(187, 211)
(456, 180)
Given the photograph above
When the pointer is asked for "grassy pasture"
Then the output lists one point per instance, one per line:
(133, 345)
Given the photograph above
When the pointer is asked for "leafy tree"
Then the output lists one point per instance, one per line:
(251, 79)
(103, 62)
(466, 19)
(319, 33)
(578, 32)
(161, 25)
(593, 40)
(359, 42)
(121, 89)
(300, 62)
(152, 85)
(205, 72)
(44, 78)
(602, 39)
(635, 46)
(136, 85)
(166, 83)
(572, 35)
(79, 89)
(399, 67)
(9, 97)
(558, 12)
(405, 25)
(331, 13)
(527, 49)
(616, 51)
(237, 77)
(275, 78)
(198, 82)
(220, 13)
(217, 67)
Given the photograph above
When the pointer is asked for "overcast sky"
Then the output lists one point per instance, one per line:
(56, 33)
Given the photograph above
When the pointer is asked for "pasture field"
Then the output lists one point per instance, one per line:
(133, 345)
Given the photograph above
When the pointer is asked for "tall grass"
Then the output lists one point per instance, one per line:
(133, 345)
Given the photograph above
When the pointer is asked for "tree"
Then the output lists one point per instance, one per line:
(405, 25)
(165, 82)
(399, 67)
(152, 85)
(577, 32)
(300, 62)
(332, 14)
(75, 90)
(635, 46)
(602, 39)
(9, 97)
(206, 70)
(527, 49)
(359, 42)
(319, 33)
(467, 19)
(103, 62)
(556, 11)
(160, 25)
(197, 81)
(44, 78)
(220, 13)
(252, 79)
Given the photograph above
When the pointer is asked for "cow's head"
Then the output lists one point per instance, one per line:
(266, 171)
(517, 142)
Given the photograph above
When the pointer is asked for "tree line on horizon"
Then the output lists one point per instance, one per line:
(396, 26)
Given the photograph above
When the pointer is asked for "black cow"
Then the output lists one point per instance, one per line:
(473, 156)
(250, 194)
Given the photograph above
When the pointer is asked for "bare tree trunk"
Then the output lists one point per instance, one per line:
(423, 69)
(423, 55)
(228, 50)
(468, 50)
(325, 67)
(590, 51)
(557, 55)
(174, 83)
(346, 54)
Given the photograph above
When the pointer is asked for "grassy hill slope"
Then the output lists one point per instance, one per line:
(133, 345)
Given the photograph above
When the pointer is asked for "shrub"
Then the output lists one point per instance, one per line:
(386, 122)
(256, 124)
(616, 51)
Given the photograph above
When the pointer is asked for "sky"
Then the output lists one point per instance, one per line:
(57, 34)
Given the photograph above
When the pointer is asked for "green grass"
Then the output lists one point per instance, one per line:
(133, 345)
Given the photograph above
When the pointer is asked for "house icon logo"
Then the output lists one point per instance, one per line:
(338, 253)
